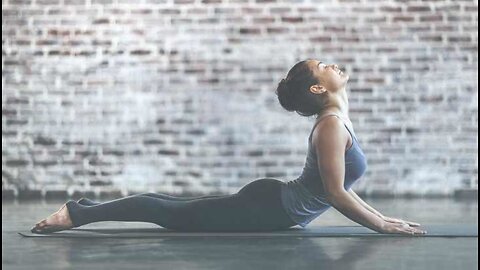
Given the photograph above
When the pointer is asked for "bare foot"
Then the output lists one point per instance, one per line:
(57, 221)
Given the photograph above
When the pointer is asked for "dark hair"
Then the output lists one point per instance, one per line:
(294, 94)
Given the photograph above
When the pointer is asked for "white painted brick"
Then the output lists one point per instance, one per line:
(133, 80)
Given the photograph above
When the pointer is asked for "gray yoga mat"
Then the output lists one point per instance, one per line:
(456, 230)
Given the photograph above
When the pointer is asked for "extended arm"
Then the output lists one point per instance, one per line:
(366, 205)
(330, 147)
(380, 215)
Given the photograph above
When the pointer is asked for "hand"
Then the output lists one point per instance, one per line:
(400, 221)
(403, 228)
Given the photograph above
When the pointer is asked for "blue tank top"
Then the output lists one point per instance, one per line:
(304, 197)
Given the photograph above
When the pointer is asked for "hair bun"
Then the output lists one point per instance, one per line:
(294, 94)
(286, 95)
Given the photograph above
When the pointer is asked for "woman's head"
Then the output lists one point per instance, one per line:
(309, 87)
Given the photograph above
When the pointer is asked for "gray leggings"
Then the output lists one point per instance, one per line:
(255, 207)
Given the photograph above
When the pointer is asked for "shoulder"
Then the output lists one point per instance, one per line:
(330, 130)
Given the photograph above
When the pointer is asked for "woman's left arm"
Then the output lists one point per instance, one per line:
(371, 209)
(366, 205)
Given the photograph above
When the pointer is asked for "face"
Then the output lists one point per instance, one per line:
(331, 78)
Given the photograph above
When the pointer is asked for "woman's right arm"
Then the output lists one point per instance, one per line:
(330, 147)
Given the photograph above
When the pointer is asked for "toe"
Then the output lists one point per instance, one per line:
(35, 230)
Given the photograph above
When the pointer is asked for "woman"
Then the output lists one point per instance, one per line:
(334, 162)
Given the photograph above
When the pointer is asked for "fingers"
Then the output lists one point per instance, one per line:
(406, 229)
(414, 224)
(403, 228)
(410, 223)
(394, 220)
(400, 221)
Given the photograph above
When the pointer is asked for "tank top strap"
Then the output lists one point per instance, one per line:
(351, 133)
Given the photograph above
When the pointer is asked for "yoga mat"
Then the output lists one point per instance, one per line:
(453, 230)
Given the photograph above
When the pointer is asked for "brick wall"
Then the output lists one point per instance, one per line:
(177, 96)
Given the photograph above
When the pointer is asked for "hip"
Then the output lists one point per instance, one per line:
(265, 194)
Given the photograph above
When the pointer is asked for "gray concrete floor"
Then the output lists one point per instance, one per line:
(247, 253)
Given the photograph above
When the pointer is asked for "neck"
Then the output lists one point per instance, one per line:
(338, 104)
